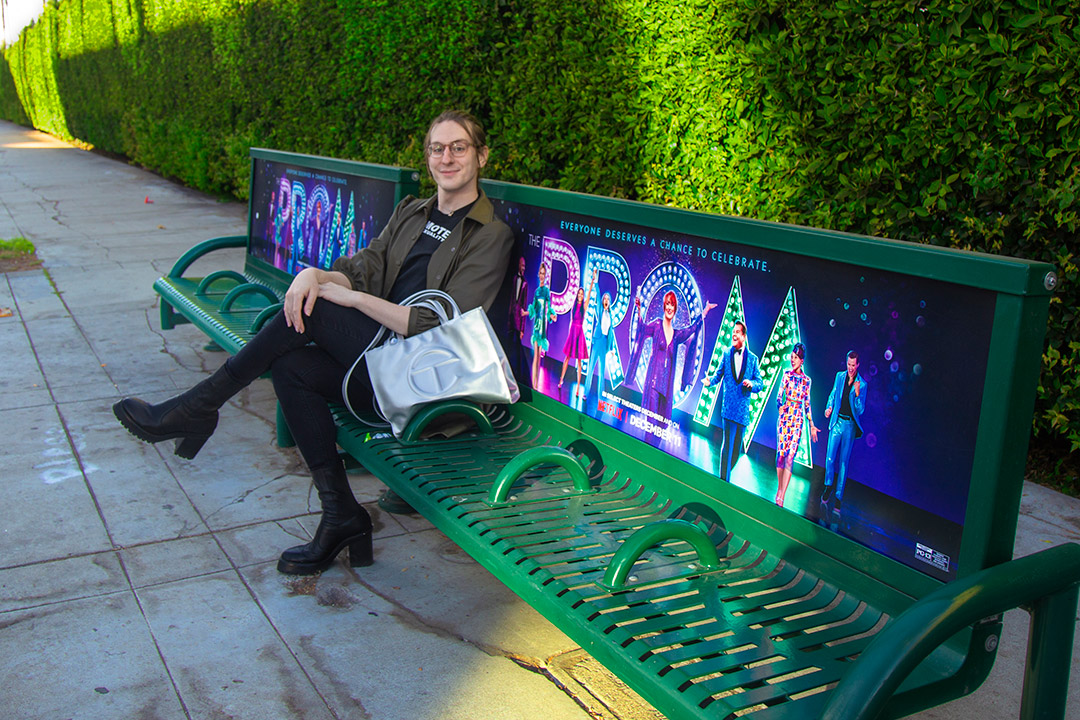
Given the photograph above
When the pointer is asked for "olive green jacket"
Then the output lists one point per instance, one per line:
(469, 265)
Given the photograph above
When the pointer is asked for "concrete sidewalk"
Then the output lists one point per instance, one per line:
(136, 584)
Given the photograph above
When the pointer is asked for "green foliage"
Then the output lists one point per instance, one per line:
(953, 122)
(18, 245)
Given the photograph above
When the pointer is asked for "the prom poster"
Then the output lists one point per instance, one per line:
(301, 217)
(842, 393)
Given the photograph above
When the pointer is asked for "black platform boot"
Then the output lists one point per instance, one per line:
(344, 523)
(190, 418)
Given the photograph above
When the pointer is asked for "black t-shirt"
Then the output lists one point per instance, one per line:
(413, 275)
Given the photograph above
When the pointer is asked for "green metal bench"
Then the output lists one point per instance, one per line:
(704, 596)
(230, 307)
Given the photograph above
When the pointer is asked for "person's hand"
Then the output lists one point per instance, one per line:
(708, 306)
(813, 433)
(857, 383)
(300, 298)
(705, 382)
(747, 384)
(337, 294)
(828, 412)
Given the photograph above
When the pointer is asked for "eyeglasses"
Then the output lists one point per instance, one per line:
(457, 149)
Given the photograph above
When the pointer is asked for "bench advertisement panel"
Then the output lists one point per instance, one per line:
(626, 324)
(307, 217)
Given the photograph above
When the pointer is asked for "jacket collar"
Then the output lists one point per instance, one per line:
(482, 210)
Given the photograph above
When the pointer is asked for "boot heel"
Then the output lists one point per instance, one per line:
(188, 447)
(361, 553)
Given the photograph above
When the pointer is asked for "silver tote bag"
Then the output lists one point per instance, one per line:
(460, 358)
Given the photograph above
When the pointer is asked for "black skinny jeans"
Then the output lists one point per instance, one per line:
(308, 369)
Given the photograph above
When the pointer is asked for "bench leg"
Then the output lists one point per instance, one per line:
(1049, 660)
(284, 435)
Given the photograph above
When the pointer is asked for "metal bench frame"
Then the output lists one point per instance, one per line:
(707, 600)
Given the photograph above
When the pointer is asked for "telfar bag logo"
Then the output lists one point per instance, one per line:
(433, 372)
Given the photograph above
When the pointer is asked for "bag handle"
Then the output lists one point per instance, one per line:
(435, 300)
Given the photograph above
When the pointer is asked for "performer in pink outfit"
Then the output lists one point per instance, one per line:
(575, 348)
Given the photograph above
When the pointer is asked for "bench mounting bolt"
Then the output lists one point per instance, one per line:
(1050, 281)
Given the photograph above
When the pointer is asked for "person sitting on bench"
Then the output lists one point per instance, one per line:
(451, 241)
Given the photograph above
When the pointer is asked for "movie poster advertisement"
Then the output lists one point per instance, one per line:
(309, 218)
(844, 394)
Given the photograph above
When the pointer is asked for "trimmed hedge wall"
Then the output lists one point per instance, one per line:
(938, 121)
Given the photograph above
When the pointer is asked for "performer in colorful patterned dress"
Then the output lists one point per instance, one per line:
(794, 403)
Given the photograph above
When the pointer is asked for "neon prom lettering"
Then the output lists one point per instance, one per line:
(612, 264)
(559, 251)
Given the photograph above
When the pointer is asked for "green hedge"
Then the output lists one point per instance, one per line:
(954, 123)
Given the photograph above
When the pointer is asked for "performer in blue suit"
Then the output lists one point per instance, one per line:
(740, 377)
(844, 410)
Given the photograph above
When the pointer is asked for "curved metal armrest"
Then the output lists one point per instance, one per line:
(652, 534)
(426, 414)
(247, 289)
(206, 246)
(1049, 579)
(217, 275)
(533, 457)
(264, 316)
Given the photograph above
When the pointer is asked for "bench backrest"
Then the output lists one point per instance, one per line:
(949, 347)
(306, 210)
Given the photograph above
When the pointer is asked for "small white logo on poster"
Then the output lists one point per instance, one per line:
(932, 557)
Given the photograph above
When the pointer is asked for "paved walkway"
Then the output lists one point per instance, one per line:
(137, 584)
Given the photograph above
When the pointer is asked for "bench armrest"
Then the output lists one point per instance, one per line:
(644, 538)
(423, 417)
(1046, 581)
(206, 246)
(534, 457)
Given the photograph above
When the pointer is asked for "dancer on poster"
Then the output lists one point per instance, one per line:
(519, 303)
(515, 319)
(315, 234)
(279, 218)
(602, 342)
(793, 401)
(739, 376)
(659, 386)
(540, 313)
(575, 348)
(847, 401)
